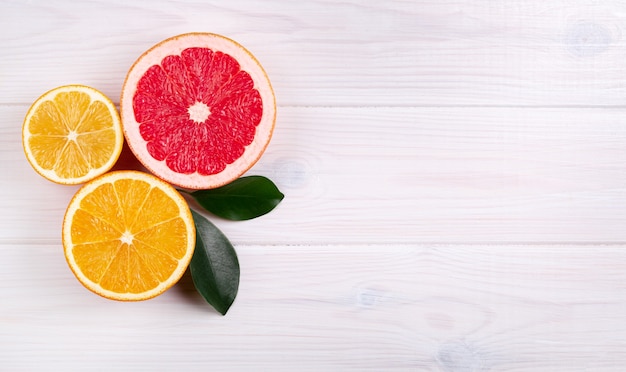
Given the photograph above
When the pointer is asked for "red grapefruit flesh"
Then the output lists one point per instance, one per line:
(198, 110)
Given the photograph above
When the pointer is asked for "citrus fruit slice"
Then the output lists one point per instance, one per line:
(198, 110)
(128, 235)
(72, 134)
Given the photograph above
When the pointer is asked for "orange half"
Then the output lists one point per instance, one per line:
(128, 236)
(72, 134)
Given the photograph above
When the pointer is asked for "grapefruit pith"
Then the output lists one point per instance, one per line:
(198, 110)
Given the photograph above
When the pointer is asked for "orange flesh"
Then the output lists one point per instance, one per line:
(71, 135)
(128, 236)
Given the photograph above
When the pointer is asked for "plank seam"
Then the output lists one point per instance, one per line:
(443, 106)
(51, 242)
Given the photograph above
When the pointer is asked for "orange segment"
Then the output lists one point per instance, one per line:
(132, 195)
(89, 229)
(94, 258)
(128, 235)
(72, 134)
(157, 199)
(164, 237)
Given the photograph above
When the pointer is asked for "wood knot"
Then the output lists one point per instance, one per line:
(586, 39)
(459, 356)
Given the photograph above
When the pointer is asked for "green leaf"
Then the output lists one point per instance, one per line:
(243, 199)
(214, 266)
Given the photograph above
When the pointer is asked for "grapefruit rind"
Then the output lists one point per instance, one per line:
(174, 46)
(111, 177)
(95, 95)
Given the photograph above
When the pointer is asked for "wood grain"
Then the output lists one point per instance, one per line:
(349, 53)
(454, 181)
(405, 175)
(412, 307)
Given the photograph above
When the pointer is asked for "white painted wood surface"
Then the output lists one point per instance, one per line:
(455, 180)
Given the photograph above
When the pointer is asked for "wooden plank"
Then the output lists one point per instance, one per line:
(454, 180)
(349, 53)
(362, 307)
(401, 175)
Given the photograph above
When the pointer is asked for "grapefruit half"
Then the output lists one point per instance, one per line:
(197, 110)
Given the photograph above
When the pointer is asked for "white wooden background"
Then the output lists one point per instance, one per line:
(455, 180)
